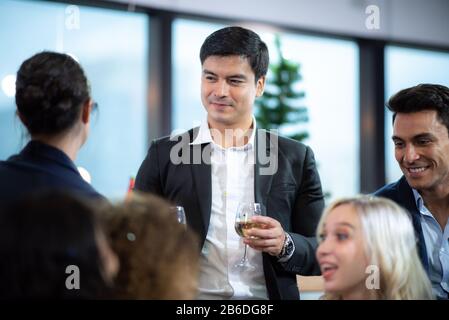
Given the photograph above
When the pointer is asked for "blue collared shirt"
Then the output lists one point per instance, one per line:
(437, 246)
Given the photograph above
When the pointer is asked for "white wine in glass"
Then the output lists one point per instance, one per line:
(245, 211)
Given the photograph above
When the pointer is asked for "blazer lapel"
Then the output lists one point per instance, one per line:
(265, 167)
(265, 153)
(201, 172)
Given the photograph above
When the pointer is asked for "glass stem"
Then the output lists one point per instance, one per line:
(244, 255)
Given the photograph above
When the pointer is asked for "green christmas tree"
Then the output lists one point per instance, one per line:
(278, 106)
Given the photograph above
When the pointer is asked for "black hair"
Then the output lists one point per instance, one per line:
(50, 91)
(241, 42)
(422, 97)
(39, 238)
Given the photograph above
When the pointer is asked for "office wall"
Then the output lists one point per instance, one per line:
(419, 21)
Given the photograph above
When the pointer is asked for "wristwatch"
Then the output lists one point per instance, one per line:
(287, 249)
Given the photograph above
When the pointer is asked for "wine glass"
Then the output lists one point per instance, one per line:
(180, 214)
(245, 211)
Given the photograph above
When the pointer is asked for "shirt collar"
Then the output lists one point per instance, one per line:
(420, 204)
(204, 136)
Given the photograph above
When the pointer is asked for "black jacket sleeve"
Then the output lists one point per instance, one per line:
(306, 214)
(148, 177)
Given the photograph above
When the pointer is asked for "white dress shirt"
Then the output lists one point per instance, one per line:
(232, 180)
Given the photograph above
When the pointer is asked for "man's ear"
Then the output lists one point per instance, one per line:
(85, 112)
(260, 86)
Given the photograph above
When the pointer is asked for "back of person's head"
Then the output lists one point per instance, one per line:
(238, 41)
(49, 242)
(390, 245)
(422, 97)
(51, 89)
(158, 256)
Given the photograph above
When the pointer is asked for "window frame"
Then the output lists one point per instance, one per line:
(372, 174)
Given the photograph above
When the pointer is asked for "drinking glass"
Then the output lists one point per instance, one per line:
(180, 214)
(245, 211)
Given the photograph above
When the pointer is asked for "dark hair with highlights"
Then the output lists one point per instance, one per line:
(159, 257)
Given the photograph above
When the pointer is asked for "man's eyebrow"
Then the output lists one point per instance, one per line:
(238, 76)
(233, 76)
(423, 135)
(418, 136)
(205, 71)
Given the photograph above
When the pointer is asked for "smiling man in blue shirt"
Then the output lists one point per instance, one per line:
(421, 139)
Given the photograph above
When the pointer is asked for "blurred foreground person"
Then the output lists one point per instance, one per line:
(368, 251)
(52, 247)
(158, 256)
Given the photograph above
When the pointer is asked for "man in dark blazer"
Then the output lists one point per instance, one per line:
(189, 170)
(421, 138)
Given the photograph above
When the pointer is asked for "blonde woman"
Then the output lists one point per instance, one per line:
(368, 251)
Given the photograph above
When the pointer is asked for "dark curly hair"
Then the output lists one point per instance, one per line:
(422, 97)
(241, 42)
(39, 238)
(50, 91)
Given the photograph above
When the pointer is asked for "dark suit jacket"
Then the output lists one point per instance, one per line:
(401, 193)
(292, 195)
(40, 167)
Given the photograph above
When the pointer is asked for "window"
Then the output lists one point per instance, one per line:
(404, 68)
(115, 65)
(329, 68)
